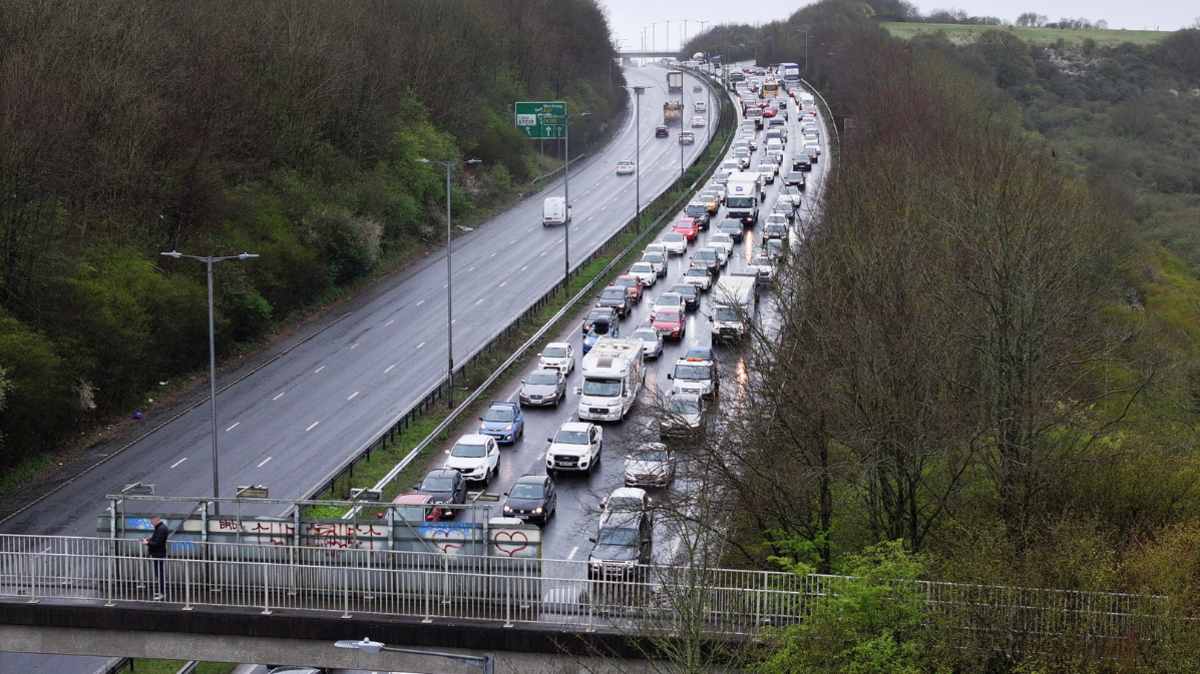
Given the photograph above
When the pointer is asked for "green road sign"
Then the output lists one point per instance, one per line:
(542, 120)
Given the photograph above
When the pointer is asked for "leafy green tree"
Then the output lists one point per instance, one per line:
(1008, 54)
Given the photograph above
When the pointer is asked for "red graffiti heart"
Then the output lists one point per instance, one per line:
(445, 547)
(511, 543)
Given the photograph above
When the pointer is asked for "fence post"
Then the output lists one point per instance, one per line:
(267, 588)
(112, 560)
(33, 579)
(346, 596)
(428, 618)
(187, 584)
(508, 600)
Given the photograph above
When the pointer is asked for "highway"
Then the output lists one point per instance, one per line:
(333, 386)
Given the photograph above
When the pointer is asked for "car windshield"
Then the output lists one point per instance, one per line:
(649, 455)
(790, 191)
(571, 438)
(684, 291)
(555, 352)
(668, 300)
(694, 271)
(613, 294)
(542, 379)
(720, 238)
(520, 490)
(646, 335)
(668, 315)
(705, 255)
(604, 388)
(740, 202)
(438, 483)
(696, 209)
(653, 257)
(411, 513)
(465, 451)
(730, 224)
(618, 537)
(682, 406)
(626, 282)
(694, 372)
(599, 314)
(498, 414)
(624, 504)
(727, 314)
(675, 237)
(642, 267)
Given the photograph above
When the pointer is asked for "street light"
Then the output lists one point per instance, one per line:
(208, 261)
(449, 294)
(486, 662)
(567, 196)
(637, 162)
(799, 30)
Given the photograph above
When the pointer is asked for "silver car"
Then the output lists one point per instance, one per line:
(543, 387)
(652, 341)
(650, 465)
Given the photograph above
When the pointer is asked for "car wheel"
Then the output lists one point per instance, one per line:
(550, 471)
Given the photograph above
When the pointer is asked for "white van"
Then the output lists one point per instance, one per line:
(555, 211)
(774, 144)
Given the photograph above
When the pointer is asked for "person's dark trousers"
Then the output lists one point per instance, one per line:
(159, 576)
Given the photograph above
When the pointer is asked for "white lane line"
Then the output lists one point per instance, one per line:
(543, 253)
(352, 395)
(492, 255)
(525, 267)
(502, 284)
(389, 369)
(559, 241)
(314, 425)
(603, 207)
(420, 345)
(179, 462)
(573, 551)
(318, 369)
(512, 242)
(453, 321)
(443, 285)
(388, 323)
(420, 303)
(471, 269)
(278, 396)
(354, 345)
(264, 462)
(235, 425)
(531, 229)
(479, 302)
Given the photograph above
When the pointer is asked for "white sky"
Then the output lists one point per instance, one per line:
(627, 17)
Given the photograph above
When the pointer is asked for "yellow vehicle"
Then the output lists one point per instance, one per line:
(710, 202)
(770, 87)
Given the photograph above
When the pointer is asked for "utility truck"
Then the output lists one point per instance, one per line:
(673, 112)
(744, 192)
(734, 305)
(674, 80)
(612, 378)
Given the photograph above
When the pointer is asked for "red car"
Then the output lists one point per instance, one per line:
(669, 323)
(769, 111)
(634, 283)
(687, 227)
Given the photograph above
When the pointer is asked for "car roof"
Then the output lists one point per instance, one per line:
(628, 492)
(575, 426)
(559, 344)
(442, 472)
(473, 439)
(531, 479)
(409, 499)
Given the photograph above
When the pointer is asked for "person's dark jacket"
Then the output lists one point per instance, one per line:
(157, 545)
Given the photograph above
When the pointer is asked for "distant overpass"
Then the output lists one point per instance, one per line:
(649, 54)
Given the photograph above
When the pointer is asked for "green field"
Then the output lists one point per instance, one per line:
(1038, 36)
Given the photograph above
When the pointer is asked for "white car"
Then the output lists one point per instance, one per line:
(730, 165)
(697, 122)
(790, 195)
(722, 242)
(655, 247)
(667, 301)
(658, 259)
(700, 106)
(699, 278)
(675, 243)
(652, 341)
(623, 500)
(477, 457)
(575, 447)
(624, 168)
(644, 271)
(816, 145)
(557, 356)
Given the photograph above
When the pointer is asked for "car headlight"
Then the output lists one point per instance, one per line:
(507, 508)
(483, 427)
(537, 510)
(508, 427)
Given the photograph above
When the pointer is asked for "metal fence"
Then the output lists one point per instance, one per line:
(572, 594)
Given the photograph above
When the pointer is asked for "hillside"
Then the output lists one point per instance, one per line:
(1042, 37)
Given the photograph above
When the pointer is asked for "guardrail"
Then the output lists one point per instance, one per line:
(575, 595)
(432, 395)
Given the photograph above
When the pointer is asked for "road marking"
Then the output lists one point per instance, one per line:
(559, 241)
(453, 321)
(235, 425)
(573, 551)
(471, 269)
(503, 284)
(179, 462)
(420, 345)
(525, 267)
(314, 425)
(531, 229)
(420, 303)
(512, 242)
(492, 255)
(352, 395)
(443, 285)
(278, 396)
(354, 345)
(603, 207)
(480, 301)
(543, 253)
(388, 323)
(389, 369)
(318, 369)
(264, 462)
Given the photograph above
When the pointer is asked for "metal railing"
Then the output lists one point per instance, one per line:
(571, 594)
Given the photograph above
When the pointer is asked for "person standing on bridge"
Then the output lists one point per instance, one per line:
(156, 545)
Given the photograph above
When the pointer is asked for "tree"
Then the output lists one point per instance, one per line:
(1008, 54)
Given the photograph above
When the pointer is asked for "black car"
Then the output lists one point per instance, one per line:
(661, 132)
(698, 212)
(617, 297)
(532, 498)
(602, 314)
(795, 178)
(690, 294)
(706, 258)
(733, 228)
(445, 486)
(801, 162)
(623, 547)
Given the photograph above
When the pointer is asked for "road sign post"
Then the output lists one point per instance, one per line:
(542, 120)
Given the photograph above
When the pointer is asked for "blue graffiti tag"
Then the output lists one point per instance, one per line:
(447, 528)
(184, 544)
(138, 523)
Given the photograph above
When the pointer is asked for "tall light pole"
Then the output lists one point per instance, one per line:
(449, 279)
(567, 197)
(637, 162)
(799, 30)
(653, 35)
(208, 261)
(486, 662)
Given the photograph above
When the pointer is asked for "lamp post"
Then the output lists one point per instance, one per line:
(799, 30)
(449, 279)
(637, 143)
(208, 261)
(567, 197)
(486, 662)
(653, 35)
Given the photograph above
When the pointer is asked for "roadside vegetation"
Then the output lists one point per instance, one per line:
(987, 373)
(289, 130)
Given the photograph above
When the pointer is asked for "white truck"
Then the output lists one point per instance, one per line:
(612, 378)
(555, 211)
(743, 194)
(734, 305)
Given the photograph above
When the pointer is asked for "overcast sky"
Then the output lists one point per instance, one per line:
(627, 17)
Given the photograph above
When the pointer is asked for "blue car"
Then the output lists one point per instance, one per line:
(599, 329)
(503, 421)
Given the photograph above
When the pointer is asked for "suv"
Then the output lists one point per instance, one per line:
(695, 374)
(475, 456)
(624, 544)
(706, 258)
(617, 297)
(698, 212)
(446, 487)
(683, 414)
(661, 132)
(576, 447)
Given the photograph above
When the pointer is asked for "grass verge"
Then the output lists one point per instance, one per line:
(145, 666)
(1042, 37)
